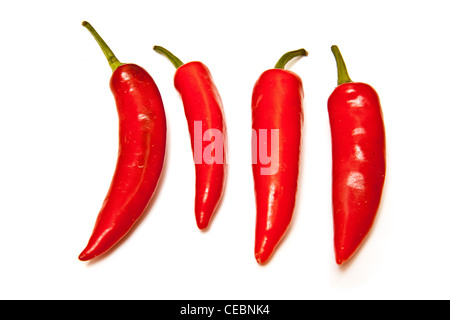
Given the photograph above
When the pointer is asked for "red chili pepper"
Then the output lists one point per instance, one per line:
(276, 111)
(204, 114)
(359, 160)
(142, 143)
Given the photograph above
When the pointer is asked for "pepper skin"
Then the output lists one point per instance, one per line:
(277, 104)
(142, 143)
(359, 160)
(202, 103)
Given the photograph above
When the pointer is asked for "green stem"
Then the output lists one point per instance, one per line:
(343, 76)
(169, 55)
(112, 60)
(288, 56)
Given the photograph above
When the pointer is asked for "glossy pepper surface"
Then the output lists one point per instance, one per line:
(142, 143)
(277, 121)
(359, 160)
(206, 123)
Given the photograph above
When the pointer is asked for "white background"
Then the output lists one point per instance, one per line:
(58, 142)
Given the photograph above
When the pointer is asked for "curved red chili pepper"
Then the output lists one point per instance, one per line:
(142, 143)
(204, 114)
(359, 160)
(277, 114)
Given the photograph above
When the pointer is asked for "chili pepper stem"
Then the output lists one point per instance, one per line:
(169, 55)
(343, 76)
(114, 63)
(288, 56)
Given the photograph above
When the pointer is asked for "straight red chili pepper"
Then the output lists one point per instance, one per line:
(359, 160)
(277, 110)
(206, 122)
(142, 143)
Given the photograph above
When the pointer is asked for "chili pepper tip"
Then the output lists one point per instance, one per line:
(83, 256)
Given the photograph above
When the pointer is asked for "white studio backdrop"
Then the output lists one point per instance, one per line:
(58, 137)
